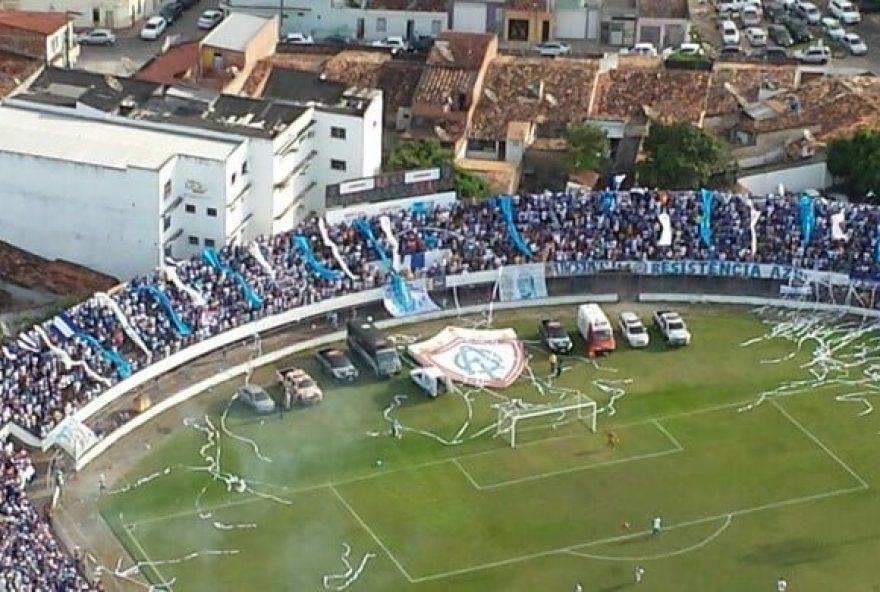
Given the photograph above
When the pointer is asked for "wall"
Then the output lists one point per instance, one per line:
(571, 23)
(795, 178)
(293, 159)
(470, 17)
(671, 31)
(112, 13)
(339, 215)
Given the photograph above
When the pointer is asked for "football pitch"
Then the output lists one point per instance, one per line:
(324, 498)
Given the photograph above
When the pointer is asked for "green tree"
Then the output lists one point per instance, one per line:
(420, 154)
(682, 156)
(857, 161)
(588, 148)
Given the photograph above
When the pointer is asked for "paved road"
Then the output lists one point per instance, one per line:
(131, 52)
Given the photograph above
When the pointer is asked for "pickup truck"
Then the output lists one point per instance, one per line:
(672, 327)
(554, 336)
(336, 363)
(299, 386)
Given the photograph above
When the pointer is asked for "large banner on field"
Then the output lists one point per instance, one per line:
(522, 282)
(725, 269)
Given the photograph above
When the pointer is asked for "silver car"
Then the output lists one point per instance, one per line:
(256, 398)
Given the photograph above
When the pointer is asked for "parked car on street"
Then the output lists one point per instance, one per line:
(209, 19)
(817, 54)
(756, 36)
(421, 44)
(153, 28)
(845, 10)
(729, 33)
(809, 12)
(643, 49)
(854, 44)
(750, 16)
(337, 40)
(297, 38)
(552, 49)
(833, 30)
(171, 12)
(799, 30)
(395, 43)
(104, 37)
(780, 35)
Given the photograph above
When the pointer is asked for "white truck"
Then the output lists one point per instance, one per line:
(672, 327)
(431, 380)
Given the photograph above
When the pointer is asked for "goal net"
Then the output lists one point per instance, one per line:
(512, 413)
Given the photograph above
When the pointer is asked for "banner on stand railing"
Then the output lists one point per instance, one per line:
(522, 282)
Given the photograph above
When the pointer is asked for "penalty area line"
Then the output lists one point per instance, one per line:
(370, 532)
(147, 560)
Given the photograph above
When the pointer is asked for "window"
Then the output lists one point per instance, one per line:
(337, 165)
(337, 132)
(96, 16)
(244, 168)
(193, 240)
(166, 191)
(234, 177)
(212, 212)
(209, 242)
(166, 222)
(517, 30)
(190, 209)
(381, 24)
(436, 25)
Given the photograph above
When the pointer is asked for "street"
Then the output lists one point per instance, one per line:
(131, 52)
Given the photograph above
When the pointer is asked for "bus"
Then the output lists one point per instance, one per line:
(368, 343)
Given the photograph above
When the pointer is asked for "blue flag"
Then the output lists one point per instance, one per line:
(807, 217)
(609, 201)
(706, 198)
(506, 204)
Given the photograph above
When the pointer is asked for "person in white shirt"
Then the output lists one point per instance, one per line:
(656, 525)
(781, 585)
(639, 573)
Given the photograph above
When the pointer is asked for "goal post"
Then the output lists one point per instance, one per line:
(511, 413)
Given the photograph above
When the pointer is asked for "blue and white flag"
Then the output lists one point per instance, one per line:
(617, 181)
(706, 198)
(505, 202)
(609, 201)
(318, 268)
(180, 326)
(403, 298)
(807, 217)
(64, 326)
(209, 255)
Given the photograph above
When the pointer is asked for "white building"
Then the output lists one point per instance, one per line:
(91, 13)
(358, 19)
(164, 171)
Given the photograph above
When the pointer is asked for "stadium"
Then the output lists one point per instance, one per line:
(581, 391)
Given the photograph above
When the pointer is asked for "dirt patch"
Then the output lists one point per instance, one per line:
(58, 277)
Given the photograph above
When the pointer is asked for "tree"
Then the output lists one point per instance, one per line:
(857, 161)
(421, 154)
(588, 148)
(682, 156)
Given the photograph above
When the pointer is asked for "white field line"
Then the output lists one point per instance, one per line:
(666, 433)
(699, 545)
(467, 475)
(821, 445)
(570, 549)
(146, 558)
(370, 532)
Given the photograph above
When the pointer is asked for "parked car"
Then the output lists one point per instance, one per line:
(104, 37)
(729, 33)
(210, 19)
(171, 12)
(337, 40)
(552, 49)
(854, 44)
(633, 330)
(832, 28)
(756, 36)
(845, 11)
(187, 4)
(729, 7)
(153, 28)
(256, 398)
(809, 12)
(421, 44)
(554, 336)
(299, 387)
(394, 43)
(750, 16)
(730, 52)
(672, 327)
(799, 30)
(776, 54)
(780, 35)
(337, 364)
(643, 49)
(817, 54)
(297, 38)
(685, 49)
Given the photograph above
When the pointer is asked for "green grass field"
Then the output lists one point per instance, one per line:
(784, 489)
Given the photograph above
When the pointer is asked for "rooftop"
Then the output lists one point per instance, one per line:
(443, 86)
(670, 9)
(732, 80)
(409, 5)
(236, 31)
(302, 86)
(460, 50)
(14, 70)
(112, 142)
(44, 23)
(171, 66)
(59, 86)
(533, 90)
(655, 93)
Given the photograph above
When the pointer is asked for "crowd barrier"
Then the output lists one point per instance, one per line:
(757, 301)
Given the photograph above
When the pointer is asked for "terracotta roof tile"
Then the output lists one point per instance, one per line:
(44, 23)
(460, 50)
(670, 94)
(14, 70)
(746, 81)
(171, 66)
(439, 86)
(511, 89)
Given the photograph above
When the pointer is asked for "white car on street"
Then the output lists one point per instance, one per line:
(394, 43)
(633, 330)
(153, 28)
(817, 54)
(642, 49)
(845, 11)
(209, 19)
(729, 33)
(832, 28)
(854, 44)
(809, 12)
(756, 36)
(552, 49)
(297, 38)
(104, 37)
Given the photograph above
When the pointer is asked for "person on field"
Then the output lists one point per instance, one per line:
(638, 573)
(656, 525)
(781, 585)
(612, 439)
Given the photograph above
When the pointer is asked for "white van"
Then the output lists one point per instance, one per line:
(595, 329)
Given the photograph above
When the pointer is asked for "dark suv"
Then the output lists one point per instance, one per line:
(171, 12)
(799, 30)
(780, 35)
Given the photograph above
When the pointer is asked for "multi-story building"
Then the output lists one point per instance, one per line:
(44, 36)
(90, 13)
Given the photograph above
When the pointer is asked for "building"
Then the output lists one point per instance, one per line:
(228, 54)
(358, 19)
(44, 36)
(113, 14)
(663, 22)
(16, 72)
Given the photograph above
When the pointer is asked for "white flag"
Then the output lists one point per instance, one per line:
(753, 224)
(666, 230)
(838, 221)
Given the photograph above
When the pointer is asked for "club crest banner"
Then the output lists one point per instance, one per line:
(493, 358)
(523, 282)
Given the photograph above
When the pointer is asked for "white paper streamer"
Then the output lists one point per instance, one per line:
(838, 221)
(665, 230)
(254, 249)
(67, 361)
(105, 300)
(171, 275)
(754, 216)
(388, 231)
(351, 573)
(322, 228)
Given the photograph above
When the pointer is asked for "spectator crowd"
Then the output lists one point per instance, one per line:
(46, 373)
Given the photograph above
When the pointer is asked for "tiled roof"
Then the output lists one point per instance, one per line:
(667, 94)
(171, 66)
(14, 70)
(439, 85)
(44, 23)
(410, 5)
(511, 89)
(745, 80)
(671, 9)
(460, 50)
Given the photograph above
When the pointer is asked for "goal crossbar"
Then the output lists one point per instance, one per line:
(512, 413)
